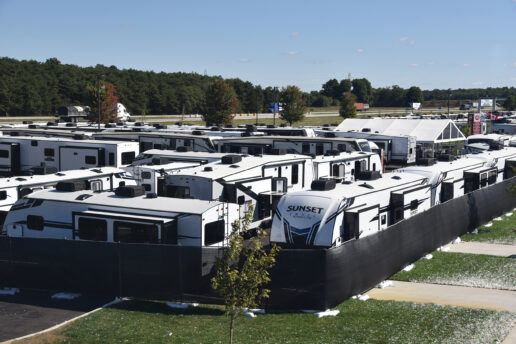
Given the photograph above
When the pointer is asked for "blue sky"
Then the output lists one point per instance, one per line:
(432, 44)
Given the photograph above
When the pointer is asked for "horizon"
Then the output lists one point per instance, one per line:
(468, 46)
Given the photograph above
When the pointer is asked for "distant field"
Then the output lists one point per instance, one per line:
(359, 322)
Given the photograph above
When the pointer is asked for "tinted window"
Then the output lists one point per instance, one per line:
(34, 143)
(146, 187)
(90, 160)
(127, 158)
(414, 204)
(35, 222)
(295, 174)
(49, 152)
(364, 146)
(4, 153)
(92, 229)
(213, 232)
(135, 232)
(111, 158)
(3, 195)
(146, 175)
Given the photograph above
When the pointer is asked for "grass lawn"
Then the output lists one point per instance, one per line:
(359, 322)
(501, 232)
(473, 270)
(306, 122)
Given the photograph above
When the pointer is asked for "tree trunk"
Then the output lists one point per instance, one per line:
(231, 327)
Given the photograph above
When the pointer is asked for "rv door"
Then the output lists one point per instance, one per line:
(10, 158)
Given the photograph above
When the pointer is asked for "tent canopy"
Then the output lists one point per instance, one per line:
(425, 130)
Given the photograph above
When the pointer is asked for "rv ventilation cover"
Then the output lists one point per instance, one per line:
(208, 169)
(197, 132)
(231, 159)
(71, 186)
(130, 191)
(323, 184)
(329, 134)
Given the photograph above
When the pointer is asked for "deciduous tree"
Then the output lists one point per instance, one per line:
(106, 92)
(293, 104)
(347, 105)
(221, 103)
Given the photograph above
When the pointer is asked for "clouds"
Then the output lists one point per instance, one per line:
(244, 60)
(292, 52)
(414, 65)
(466, 65)
(360, 50)
(407, 40)
(294, 34)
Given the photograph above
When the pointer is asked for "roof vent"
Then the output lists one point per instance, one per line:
(32, 126)
(230, 159)
(151, 195)
(130, 191)
(396, 177)
(366, 130)
(14, 133)
(197, 132)
(184, 149)
(71, 186)
(369, 175)
(214, 129)
(51, 124)
(323, 184)
(229, 125)
(250, 127)
(208, 169)
(70, 124)
(82, 197)
(79, 137)
(138, 124)
(41, 170)
(329, 134)
(27, 122)
(271, 126)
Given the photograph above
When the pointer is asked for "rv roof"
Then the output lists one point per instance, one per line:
(248, 162)
(109, 199)
(289, 138)
(173, 153)
(342, 156)
(444, 166)
(151, 134)
(56, 177)
(64, 139)
(361, 187)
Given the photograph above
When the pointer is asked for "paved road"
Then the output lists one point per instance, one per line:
(484, 248)
(33, 311)
(499, 300)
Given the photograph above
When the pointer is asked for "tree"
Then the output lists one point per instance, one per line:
(362, 90)
(413, 95)
(347, 105)
(108, 102)
(330, 88)
(293, 104)
(510, 103)
(242, 271)
(221, 103)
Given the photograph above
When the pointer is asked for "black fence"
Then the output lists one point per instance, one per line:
(309, 278)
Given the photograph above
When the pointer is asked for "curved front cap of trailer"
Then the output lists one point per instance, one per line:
(304, 221)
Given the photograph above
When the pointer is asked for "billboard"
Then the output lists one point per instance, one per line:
(486, 102)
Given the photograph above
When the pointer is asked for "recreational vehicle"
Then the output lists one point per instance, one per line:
(488, 141)
(246, 180)
(21, 153)
(159, 157)
(331, 213)
(96, 179)
(126, 215)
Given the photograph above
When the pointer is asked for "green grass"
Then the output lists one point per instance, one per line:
(501, 232)
(359, 322)
(472, 270)
(308, 121)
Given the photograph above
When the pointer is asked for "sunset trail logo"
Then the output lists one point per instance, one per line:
(304, 208)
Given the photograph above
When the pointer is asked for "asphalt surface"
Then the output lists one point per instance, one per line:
(32, 311)
(484, 248)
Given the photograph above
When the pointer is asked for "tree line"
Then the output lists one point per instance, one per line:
(39, 88)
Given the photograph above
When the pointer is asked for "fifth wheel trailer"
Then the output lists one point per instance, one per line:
(126, 215)
(19, 154)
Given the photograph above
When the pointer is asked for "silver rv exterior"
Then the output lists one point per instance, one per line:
(154, 156)
(245, 180)
(294, 145)
(497, 158)
(157, 140)
(87, 215)
(327, 218)
(345, 166)
(21, 153)
(397, 149)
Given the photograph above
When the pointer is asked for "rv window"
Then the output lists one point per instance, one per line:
(146, 175)
(90, 160)
(483, 180)
(34, 143)
(49, 152)
(3, 195)
(169, 233)
(414, 204)
(364, 146)
(35, 222)
(111, 158)
(341, 147)
(157, 146)
(127, 158)
(4, 153)
(135, 232)
(295, 174)
(306, 148)
(374, 166)
(213, 232)
(491, 179)
(176, 191)
(92, 229)
(384, 219)
(187, 143)
(319, 149)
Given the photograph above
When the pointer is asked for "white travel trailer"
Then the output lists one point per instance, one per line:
(488, 141)
(22, 153)
(330, 213)
(159, 157)
(446, 177)
(396, 148)
(157, 140)
(293, 145)
(346, 166)
(498, 158)
(126, 215)
(96, 179)
(246, 180)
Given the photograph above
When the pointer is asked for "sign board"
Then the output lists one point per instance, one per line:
(486, 102)
(415, 106)
(274, 107)
(474, 123)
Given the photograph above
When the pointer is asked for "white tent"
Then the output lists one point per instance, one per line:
(425, 130)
